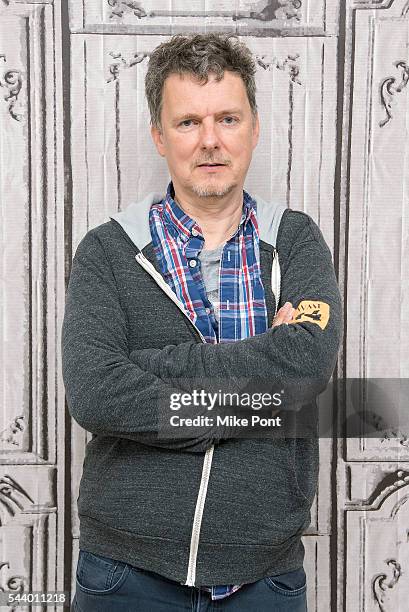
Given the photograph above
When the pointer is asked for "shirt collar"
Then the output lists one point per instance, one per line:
(186, 226)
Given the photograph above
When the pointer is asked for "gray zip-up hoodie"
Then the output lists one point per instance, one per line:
(212, 508)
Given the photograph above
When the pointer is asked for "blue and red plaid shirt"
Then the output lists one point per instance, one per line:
(177, 241)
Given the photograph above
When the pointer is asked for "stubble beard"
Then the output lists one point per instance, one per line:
(212, 191)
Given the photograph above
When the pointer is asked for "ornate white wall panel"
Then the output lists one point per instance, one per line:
(381, 540)
(262, 18)
(28, 556)
(378, 238)
(115, 162)
(32, 298)
(28, 187)
(372, 475)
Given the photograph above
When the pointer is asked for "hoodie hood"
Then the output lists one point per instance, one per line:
(135, 219)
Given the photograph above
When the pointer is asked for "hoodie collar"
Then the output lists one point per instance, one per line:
(135, 218)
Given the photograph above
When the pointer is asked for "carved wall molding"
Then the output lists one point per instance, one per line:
(13, 81)
(120, 7)
(13, 498)
(289, 10)
(380, 585)
(388, 486)
(289, 64)
(373, 421)
(121, 63)
(284, 10)
(372, 4)
(396, 435)
(15, 583)
(28, 557)
(391, 86)
(15, 427)
(379, 4)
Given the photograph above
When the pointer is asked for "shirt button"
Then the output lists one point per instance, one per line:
(195, 232)
(192, 263)
(208, 311)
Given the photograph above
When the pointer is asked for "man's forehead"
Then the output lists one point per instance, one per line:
(230, 95)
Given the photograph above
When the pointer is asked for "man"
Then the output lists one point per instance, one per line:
(167, 297)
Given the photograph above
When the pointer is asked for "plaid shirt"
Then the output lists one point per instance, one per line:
(177, 241)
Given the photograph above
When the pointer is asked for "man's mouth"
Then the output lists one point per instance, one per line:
(212, 165)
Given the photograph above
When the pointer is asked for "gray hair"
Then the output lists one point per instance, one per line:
(198, 55)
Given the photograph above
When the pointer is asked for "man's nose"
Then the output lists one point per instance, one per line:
(209, 136)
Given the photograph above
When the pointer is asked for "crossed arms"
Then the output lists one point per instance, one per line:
(114, 392)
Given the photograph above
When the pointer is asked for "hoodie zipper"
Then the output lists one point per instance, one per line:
(276, 279)
(207, 462)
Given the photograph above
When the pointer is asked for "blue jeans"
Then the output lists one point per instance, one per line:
(106, 585)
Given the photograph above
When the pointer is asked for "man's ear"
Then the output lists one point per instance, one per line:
(157, 138)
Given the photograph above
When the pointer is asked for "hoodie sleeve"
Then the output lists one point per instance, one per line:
(108, 394)
(301, 355)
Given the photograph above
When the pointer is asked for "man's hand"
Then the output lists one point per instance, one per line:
(284, 315)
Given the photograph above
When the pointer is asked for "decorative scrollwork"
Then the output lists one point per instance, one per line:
(389, 87)
(289, 9)
(389, 484)
(284, 10)
(17, 584)
(396, 434)
(124, 6)
(122, 63)
(16, 426)
(13, 498)
(380, 585)
(289, 64)
(12, 80)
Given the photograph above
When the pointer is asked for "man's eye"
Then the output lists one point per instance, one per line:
(230, 121)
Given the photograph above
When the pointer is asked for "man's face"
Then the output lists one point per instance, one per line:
(209, 123)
